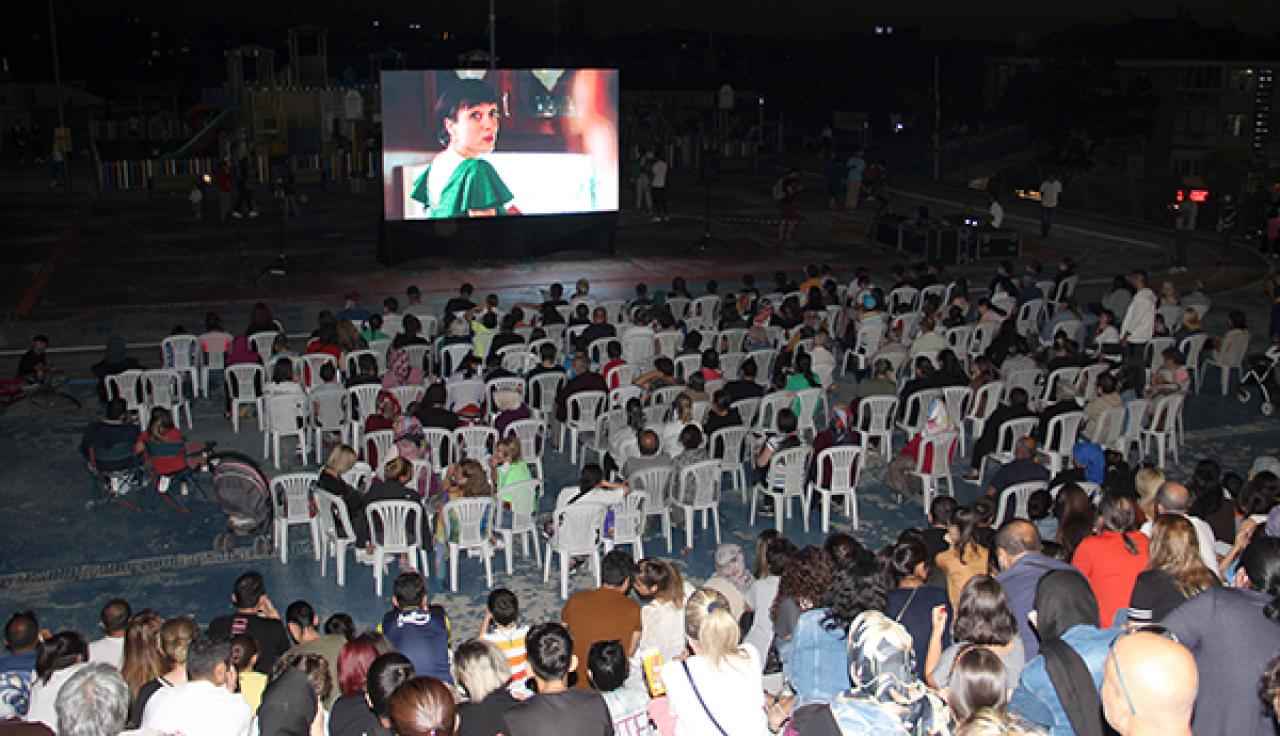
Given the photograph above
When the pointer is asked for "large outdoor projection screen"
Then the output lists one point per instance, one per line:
(474, 143)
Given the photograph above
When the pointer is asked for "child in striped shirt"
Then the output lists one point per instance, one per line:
(502, 627)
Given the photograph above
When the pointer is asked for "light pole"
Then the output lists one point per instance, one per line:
(57, 88)
(493, 35)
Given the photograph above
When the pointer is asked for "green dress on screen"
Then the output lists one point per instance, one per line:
(474, 185)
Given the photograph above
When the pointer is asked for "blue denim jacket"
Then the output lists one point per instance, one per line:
(817, 663)
(1037, 701)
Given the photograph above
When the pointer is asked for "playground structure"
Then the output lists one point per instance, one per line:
(292, 116)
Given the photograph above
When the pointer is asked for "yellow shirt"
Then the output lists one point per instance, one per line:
(251, 686)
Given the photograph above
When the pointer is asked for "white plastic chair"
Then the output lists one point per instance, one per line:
(524, 504)
(1228, 357)
(941, 447)
(244, 385)
(875, 421)
(704, 312)
(261, 343)
(665, 395)
(1025, 380)
(687, 365)
(1007, 436)
(983, 334)
(784, 483)
(771, 405)
(395, 528)
(916, 411)
(981, 406)
(532, 434)
(474, 443)
(311, 365)
(1110, 426)
(1135, 420)
(1030, 317)
(748, 408)
(472, 516)
(330, 415)
(840, 465)
(1059, 437)
(353, 361)
(213, 356)
(1155, 352)
(729, 446)
(704, 480)
(903, 296)
(377, 448)
(127, 385)
(286, 416)
(163, 387)
(667, 342)
(654, 482)
(363, 403)
(581, 411)
(419, 357)
(628, 524)
(618, 397)
(865, 345)
(439, 444)
(578, 532)
(542, 390)
(1066, 287)
(958, 340)
(457, 392)
(359, 476)
(810, 399)
(406, 395)
(291, 500)
(336, 533)
(1163, 429)
(182, 353)
(1018, 494)
(1193, 347)
(451, 356)
(1057, 379)
(1087, 380)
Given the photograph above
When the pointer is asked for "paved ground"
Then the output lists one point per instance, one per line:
(136, 267)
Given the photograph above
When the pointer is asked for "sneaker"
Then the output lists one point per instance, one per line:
(237, 215)
(253, 213)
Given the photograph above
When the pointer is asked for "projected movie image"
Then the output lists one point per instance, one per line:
(474, 143)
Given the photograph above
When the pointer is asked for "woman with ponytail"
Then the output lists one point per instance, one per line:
(911, 602)
(1233, 633)
(719, 690)
(1112, 559)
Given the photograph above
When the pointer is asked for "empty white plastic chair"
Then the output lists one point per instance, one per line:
(362, 404)
(474, 443)
(836, 476)
(244, 386)
(654, 484)
(1135, 419)
(451, 357)
(748, 408)
(395, 528)
(291, 500)
(377, 448)
(578, 532)
(330, 415)
(542, 390)
(1192, 348)
(261, 343)
(286, 416)
(182, 353)
(729, 446)
(980, 407)
(875, 421)
(699, 491)
(581, 412)
(336, 533)
(1059, 438)
(470, 517)
(1163, 429)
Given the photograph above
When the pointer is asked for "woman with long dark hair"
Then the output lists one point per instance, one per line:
(1059, 688)
(802, 587)
(983, 618)
(1112, 559)
(1076, 515)
(905, 565)
(966, 556)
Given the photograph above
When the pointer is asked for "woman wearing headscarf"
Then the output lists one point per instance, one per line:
(1059, 688)
(839, 433)
(885, 696)
(114, 361)
(400, 371)
(898, 475)
(731, 578)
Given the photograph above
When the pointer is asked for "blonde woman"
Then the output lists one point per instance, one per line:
(342, 459)
(171, 644)
(662, 618)
(1146, 482)
(719, 689)
(1175, 572)
(681, 416)
(482, 672)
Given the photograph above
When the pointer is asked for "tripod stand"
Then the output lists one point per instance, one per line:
(705, 240)
(282, 263)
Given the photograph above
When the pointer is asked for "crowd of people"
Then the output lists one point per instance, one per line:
(1116, 595)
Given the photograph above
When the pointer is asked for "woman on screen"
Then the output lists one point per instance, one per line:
(459, 183)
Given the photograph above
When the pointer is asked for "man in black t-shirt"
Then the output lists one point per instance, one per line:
(460, 303)
(256, 616)
(745, 387)
(550, 655)
(113, 432)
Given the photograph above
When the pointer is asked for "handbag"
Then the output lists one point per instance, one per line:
(689, 676)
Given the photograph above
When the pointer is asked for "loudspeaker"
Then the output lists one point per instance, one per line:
(999, 244)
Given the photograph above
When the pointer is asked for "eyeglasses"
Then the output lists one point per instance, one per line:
(1114, 656)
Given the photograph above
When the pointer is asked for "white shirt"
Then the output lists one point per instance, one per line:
(760, 597)
(997, 215)
(662, 627)
(108, 649)
(45, 694)
(1049, 193)
(734, 693)
(198, 708)
(659, 174)
(1204, 540)
(1140, 319)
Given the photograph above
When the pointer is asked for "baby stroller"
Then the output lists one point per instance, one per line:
(1261, 373)
(240, 489)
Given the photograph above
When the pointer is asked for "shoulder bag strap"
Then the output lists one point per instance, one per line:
(689, 675)
(905, 606)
